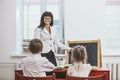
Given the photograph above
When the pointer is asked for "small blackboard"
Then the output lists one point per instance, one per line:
(93, 51)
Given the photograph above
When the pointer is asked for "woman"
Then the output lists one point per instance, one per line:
(46, 33)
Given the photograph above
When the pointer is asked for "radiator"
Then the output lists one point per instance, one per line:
(114, 70)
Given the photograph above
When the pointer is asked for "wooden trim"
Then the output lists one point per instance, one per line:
(99, 61)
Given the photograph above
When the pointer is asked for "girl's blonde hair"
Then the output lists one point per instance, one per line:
(80, 54)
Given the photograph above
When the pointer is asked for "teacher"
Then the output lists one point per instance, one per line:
(47, 34)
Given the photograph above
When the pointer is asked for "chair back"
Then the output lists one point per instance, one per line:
(99, 77)
(17, 73)
(19, 76)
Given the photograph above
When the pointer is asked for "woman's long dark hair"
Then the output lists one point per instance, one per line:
(47, 14)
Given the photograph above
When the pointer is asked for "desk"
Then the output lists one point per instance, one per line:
(61, 73)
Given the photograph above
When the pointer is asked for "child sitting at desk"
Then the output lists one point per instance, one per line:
(35, 65)
(79, 58)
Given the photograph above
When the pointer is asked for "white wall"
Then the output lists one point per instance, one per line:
(7, 28)
(7, 37)
(85, 19)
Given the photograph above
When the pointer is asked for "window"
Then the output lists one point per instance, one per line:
(113, 25)
(31, 19)
(30, 14)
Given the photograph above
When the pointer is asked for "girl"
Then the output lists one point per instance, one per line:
(79, 58)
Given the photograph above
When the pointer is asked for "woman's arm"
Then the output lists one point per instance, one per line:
(60, 44)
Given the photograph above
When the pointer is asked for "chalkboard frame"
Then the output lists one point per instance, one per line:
(85, 42)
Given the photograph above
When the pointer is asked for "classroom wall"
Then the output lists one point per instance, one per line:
(7, 38)
(85, 20)
(7, 29)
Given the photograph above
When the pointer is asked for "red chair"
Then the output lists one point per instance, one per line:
(19, 76)
(99, 77)
(18, 72)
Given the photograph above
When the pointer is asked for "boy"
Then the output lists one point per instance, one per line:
(35, 65)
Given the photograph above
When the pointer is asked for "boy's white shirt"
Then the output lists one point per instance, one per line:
(36, 66)
(49, 40)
